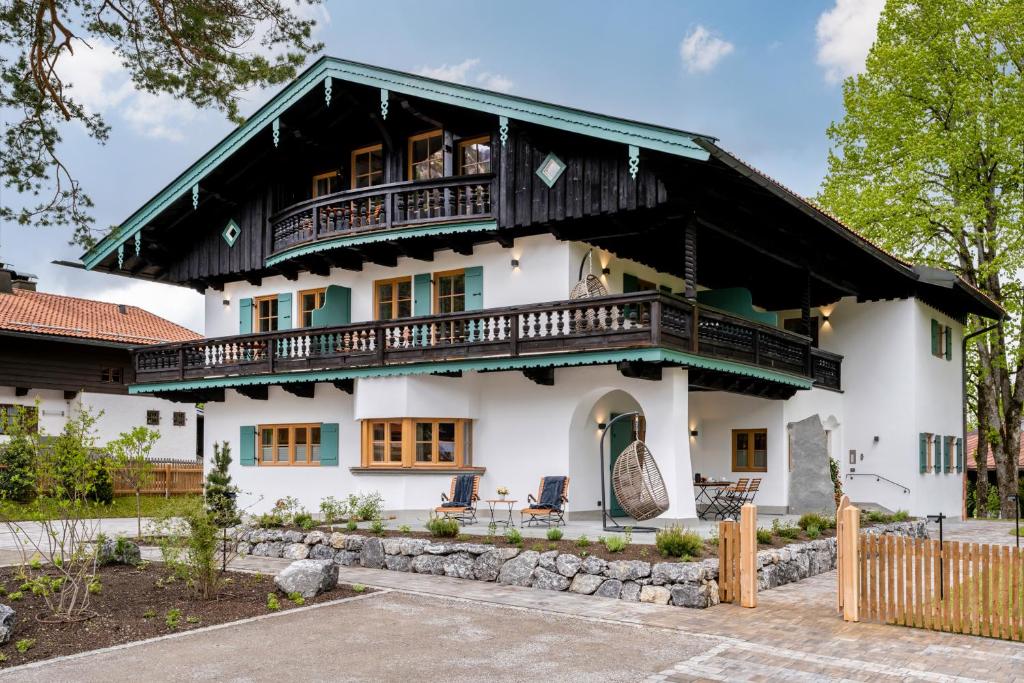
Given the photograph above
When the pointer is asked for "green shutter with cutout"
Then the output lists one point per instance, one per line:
(949, 343)
(329, 444)
(336, 309)
(284, 311)
(935, 337)
(474, 288)
(247, 445)
(923, 443)
(959, 454)
(421, 299)
(245, 316)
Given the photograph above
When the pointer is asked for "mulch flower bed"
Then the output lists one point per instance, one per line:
(132, 606)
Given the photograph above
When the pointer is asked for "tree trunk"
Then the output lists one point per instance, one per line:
(981, 456)
(1006, 474)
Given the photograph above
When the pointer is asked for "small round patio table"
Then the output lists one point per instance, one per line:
(494, 502)
(703, 495)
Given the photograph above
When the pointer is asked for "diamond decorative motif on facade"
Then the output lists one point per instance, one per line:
(551, 169)
(231, 232)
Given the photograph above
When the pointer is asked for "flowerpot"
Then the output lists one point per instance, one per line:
(501, 496)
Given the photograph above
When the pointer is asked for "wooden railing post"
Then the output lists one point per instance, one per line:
(655, 322)
(850, 572)
(181, 362)
(844, 503)
(748, 555)
(728, 581)
(513, 335)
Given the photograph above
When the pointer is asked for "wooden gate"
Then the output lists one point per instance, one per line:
(737, 558)
(957, 587)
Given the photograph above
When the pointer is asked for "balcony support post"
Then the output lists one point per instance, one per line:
(690, 259)
(181, 362)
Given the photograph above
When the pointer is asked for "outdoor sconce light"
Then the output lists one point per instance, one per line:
(515, 263)
(606, 271)
(602, 426)
(226, 301)
(824, 318)
(694, 433)
(876, 439)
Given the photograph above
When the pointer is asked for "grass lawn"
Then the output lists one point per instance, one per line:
(122, 506)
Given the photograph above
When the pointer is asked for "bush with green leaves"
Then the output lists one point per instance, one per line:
(784, 531)
(377, 526)
(351, 525)
(814, 519)
(173, 618)
(304, 520)
(18, 476)
(674, 541)
(813, 531)
(616, 544)
(443, 527)
(582, 541)
(191, 544)
(333, 510)
(273, 604)
(764, 536)
(131, 451)
(554, 534)
(514, 537)
(367, 505)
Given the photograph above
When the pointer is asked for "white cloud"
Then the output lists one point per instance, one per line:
(845, 34)
(701, 50)
(465, 72)
(158, 116)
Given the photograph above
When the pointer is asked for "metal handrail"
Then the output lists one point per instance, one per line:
(878, 477)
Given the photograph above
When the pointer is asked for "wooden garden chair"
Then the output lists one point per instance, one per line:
(462, 508)
(548, 507)
(729, 500)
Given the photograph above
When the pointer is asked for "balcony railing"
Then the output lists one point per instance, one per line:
(637, 320)
(383, 207)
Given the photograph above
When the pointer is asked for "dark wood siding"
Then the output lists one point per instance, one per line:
(43, 364)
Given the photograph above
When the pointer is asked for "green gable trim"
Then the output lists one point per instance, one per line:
(644, 135)
(384, 236)
(542, 360)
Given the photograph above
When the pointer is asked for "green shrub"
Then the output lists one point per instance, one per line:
(192, 619)
(554, 534)
(172, 618)
(358, 587)
(332, 510)
(297, 598)
(149, 614)
(377, 526)
(25, 644)
(17, 478)
(812, 519)
(269, 520)
(273, 604)
(900, 516)
(616, 544)
(351, 525)
(443, 527)
(813, 532)
(95, 587)
(764, 536)
(992, 504)
(513, 537)
(674, 541)
(583, 541)
(304, 520)
(405, 529)
(366, 506)
(102, 490)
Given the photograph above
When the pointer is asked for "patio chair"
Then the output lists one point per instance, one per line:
(727, 501)
(755, 484)
(548, 507)
(460, 502)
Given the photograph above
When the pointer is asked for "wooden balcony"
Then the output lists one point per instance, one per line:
(623, 321)
(383, 207)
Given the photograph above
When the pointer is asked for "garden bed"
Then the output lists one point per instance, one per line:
(135, 604)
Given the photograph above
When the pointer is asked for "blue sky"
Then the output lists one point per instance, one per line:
(763, 77)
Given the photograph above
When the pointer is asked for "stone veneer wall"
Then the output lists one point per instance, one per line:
(685, 584)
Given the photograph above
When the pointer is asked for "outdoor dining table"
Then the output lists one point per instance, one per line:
(703, 495)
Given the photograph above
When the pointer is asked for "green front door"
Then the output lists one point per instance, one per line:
(621, 436)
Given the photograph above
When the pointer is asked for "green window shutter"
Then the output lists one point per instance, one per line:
(935, 337)
(923, 442)
(337, 307)
(247, 445)
(329, 444)
(947, 453)
(284, 311)
(474, 288)
(630, 283)
(421, 294)
(949, 343)
(245, 316)
(959, 454)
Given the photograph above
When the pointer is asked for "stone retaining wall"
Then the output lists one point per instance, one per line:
(686, 584)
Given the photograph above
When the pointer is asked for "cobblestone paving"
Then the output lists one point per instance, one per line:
(993, 531)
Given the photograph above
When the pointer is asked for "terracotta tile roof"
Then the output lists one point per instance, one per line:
(68, 316)
(972, 445)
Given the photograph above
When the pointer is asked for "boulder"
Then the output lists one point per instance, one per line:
(119, 551)
(7, 619)
(413, 546)
(259, 550)
(519, 570)
(659, 595)
(547, 560)
(439, 548)
(346, 558)
(243, 548)
(585, 584)
(295, 551)
(487, 566)
(630, 591)
(472, 548)
(428, 564)
(271, 535)
(627, 570)
(275, 548)
(309, 578)
(694, 595)
(677, 572)
(315, 537)
(548, 580)
(337, 540)
(568, 565)
(321, 551)
(459, 565)
(293, 537)
(398, 563)
(371, 554)
(593, 565)
(611, 588)
(392, 546)
(354, 543)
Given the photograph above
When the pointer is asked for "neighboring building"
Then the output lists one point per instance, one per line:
(59, 354)
(387, 263)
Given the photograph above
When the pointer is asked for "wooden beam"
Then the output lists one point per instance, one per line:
(543, 376)
(451, 373)
(69, 395)
(21, 391)
(259, 392)
(638, 369)
(253, 279)
(346, 385)
(411, 249)
(300, 389)
(503, 238)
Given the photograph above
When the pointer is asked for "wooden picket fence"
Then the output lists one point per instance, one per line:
(957, 587)
(737, 558)
(169, 479)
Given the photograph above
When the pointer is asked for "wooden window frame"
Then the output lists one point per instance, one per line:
(750, 467)
(320, 292)
(463, 440)
(152, 418)
(178, 418)
(10, 410)
(366, 150)
(394, 282)
(256, 312)
(436, 277)
(324, 176)
(480, 139)
(112, 375)
(291, 427)
(436, 132)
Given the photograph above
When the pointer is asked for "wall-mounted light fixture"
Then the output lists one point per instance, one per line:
(515, 263)
(606, 271)
(877, 439)
(694, 433)
(824, 318)
(226, 301)
(602, 426)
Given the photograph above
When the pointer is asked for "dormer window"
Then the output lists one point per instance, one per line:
(326, 183)
(475, 156)
(426, 156)
(367, 167)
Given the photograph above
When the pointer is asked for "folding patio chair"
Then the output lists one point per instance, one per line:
(460, 502)
(549, 505)
(728, 501)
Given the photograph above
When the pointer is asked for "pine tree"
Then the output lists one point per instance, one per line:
(221, 496)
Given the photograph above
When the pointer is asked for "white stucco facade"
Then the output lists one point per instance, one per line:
(116, 413)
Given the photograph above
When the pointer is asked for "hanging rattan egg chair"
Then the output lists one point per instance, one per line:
(589, 286)
(637, 480)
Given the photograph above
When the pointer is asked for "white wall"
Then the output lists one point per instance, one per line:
(120, 413)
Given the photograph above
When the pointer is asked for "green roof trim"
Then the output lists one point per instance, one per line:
(653, 355)
(644, 135)
(383, 236)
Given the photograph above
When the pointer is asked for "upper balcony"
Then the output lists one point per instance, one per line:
(382, 207)
(642, 320)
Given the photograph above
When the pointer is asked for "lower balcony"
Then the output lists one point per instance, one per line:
(642, 320)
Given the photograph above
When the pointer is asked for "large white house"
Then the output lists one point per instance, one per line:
(388, 259)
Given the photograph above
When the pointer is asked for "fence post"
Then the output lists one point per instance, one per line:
(167, 480)
(728, 582)
(851, 564)
(748, 555)
(844, 503)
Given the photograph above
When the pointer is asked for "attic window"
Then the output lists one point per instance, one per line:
(152, 417)
(231, 232)
(550, 170)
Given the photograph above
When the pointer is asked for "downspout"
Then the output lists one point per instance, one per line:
(963, 403)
